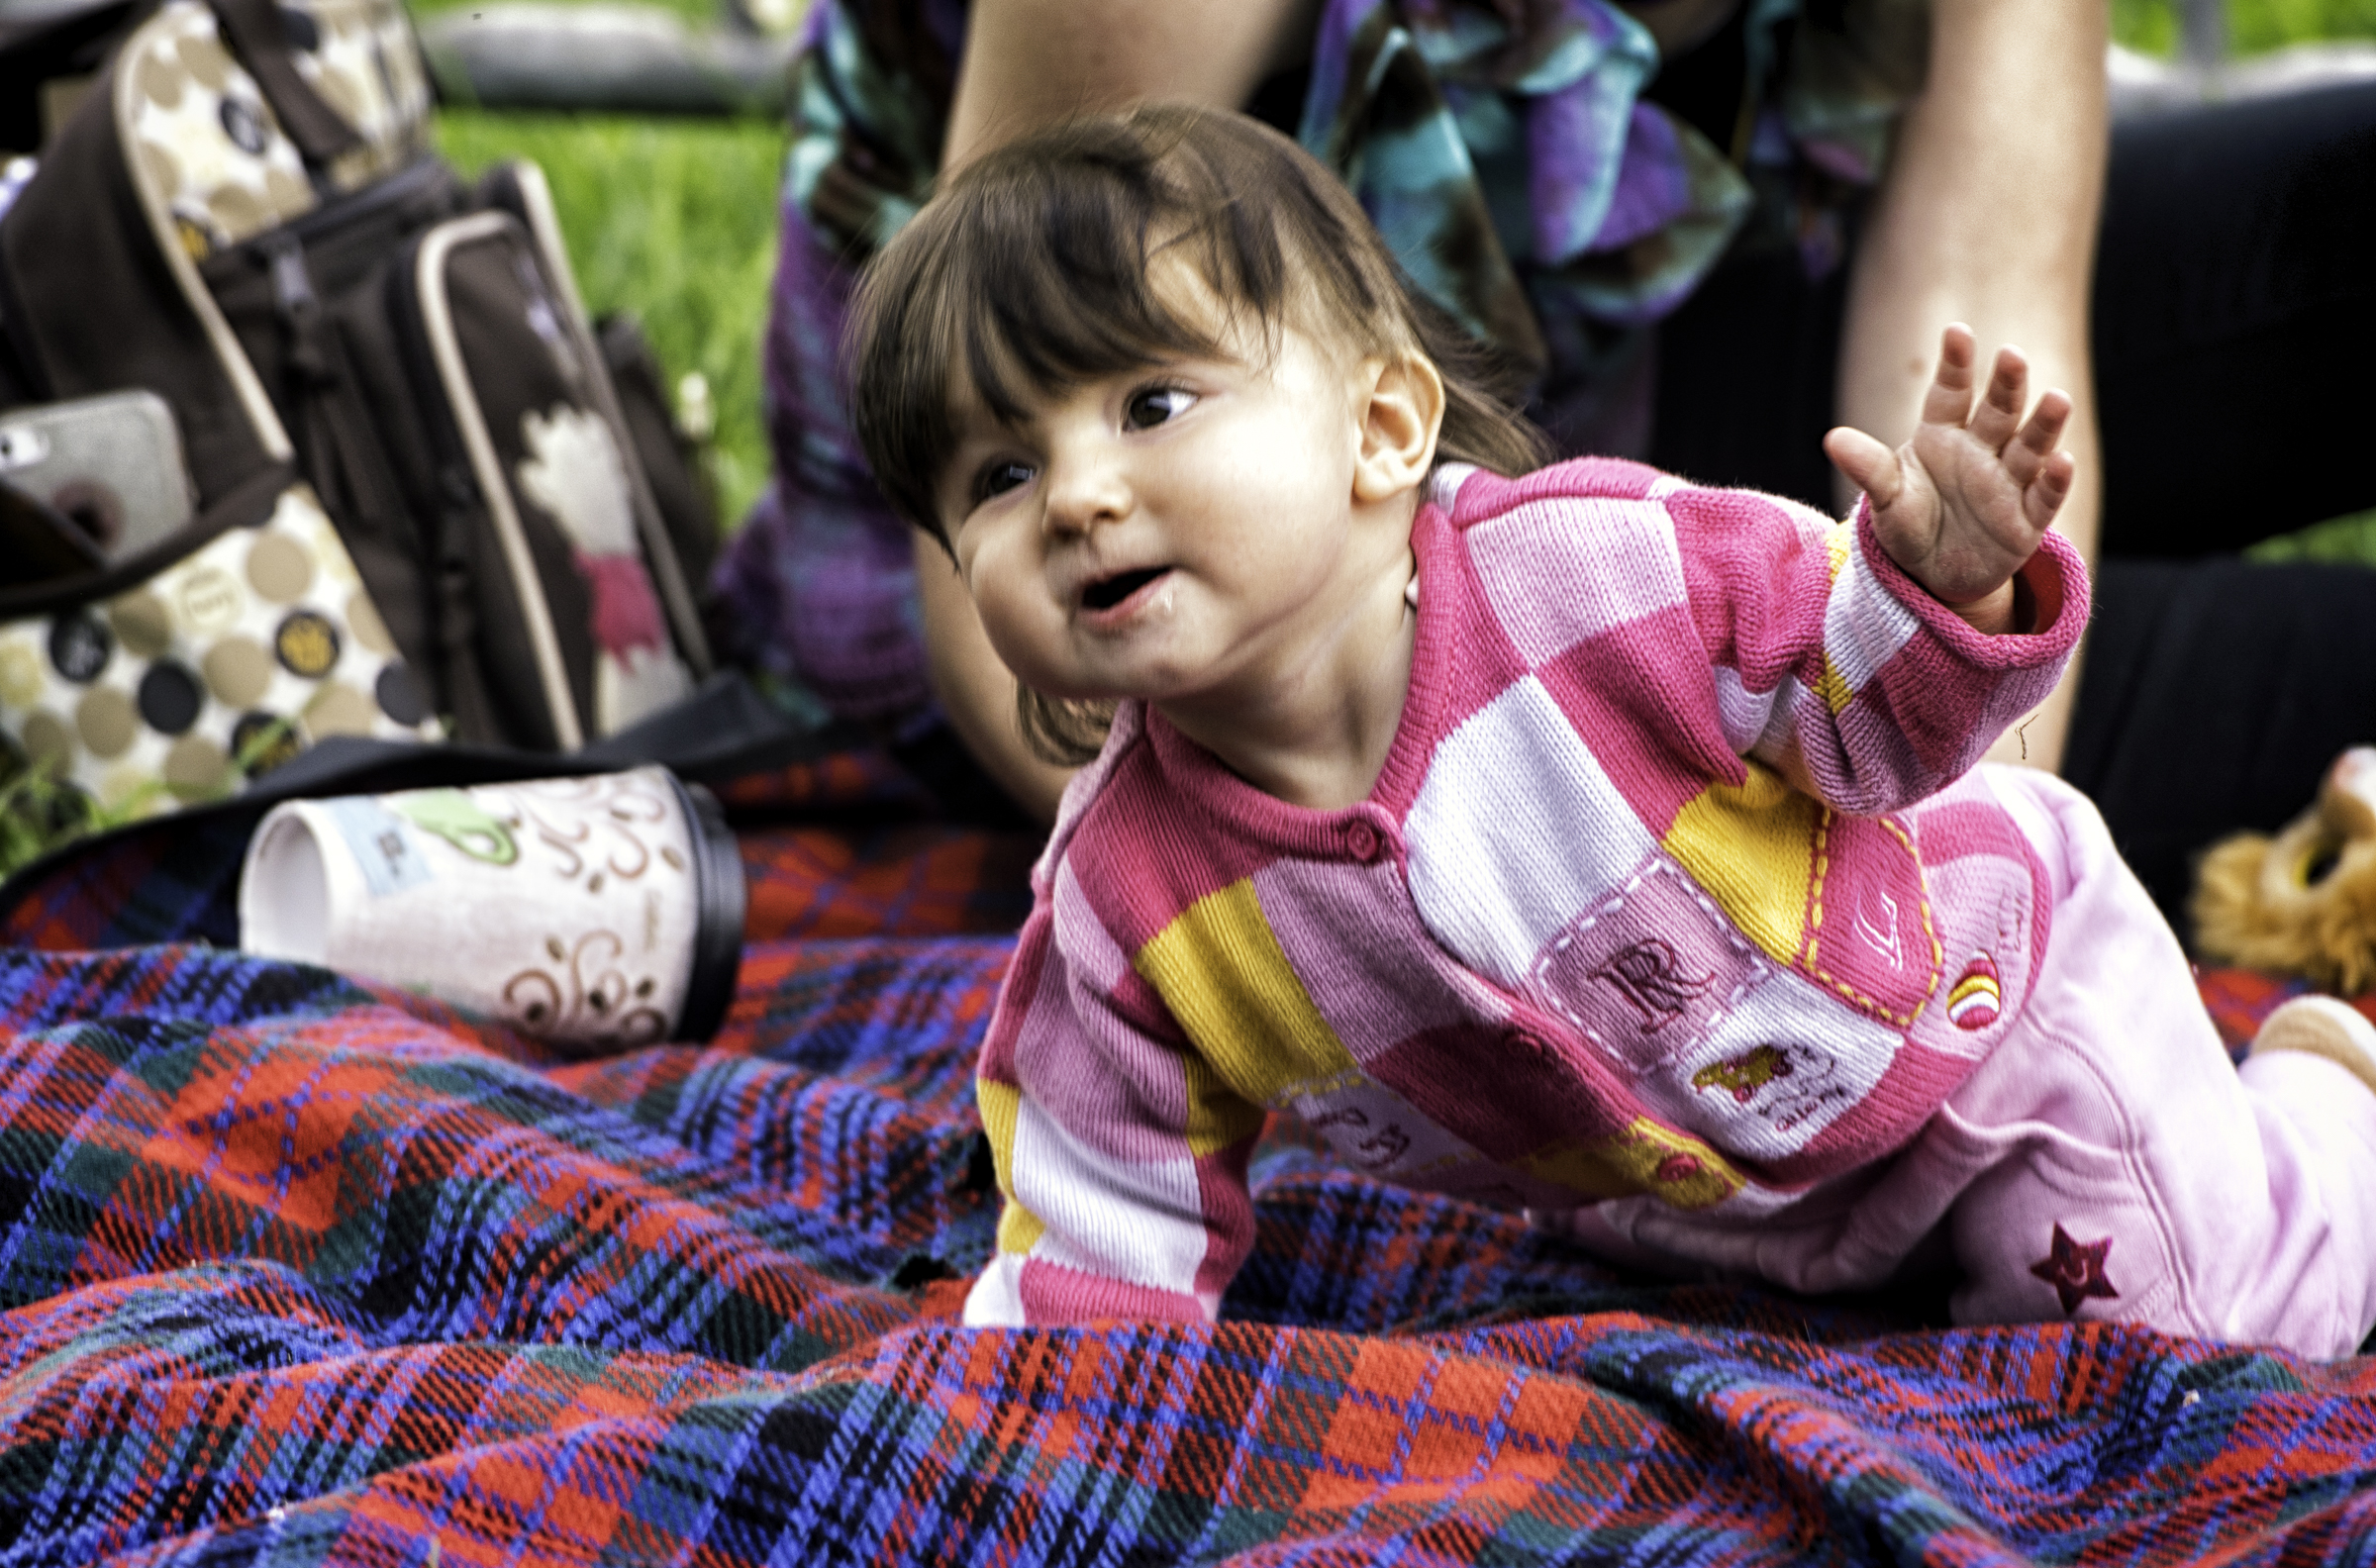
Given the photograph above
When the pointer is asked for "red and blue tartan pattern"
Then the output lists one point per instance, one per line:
(299, 1272)
(922, 879)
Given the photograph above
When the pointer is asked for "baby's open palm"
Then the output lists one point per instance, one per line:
(1964, 503)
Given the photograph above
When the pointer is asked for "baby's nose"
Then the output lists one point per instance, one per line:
(1081, 496)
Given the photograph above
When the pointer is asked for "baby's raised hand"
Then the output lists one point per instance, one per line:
(1964, 504)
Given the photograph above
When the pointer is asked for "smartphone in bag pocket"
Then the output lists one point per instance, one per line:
(109, 465)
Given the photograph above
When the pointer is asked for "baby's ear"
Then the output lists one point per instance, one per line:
(1402, 409)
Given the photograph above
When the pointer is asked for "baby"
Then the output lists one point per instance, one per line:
(1567, 838)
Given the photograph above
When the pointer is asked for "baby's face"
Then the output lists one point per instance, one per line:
(1175, 533)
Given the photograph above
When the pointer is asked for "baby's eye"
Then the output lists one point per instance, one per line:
(1154, 405)
(997, 478)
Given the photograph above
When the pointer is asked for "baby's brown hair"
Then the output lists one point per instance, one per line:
(1031, 271)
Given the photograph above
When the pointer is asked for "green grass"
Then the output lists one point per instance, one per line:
(673, 220)
(2253, 25)
(2349, 540)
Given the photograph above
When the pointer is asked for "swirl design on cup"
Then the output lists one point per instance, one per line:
(570, 815)
(588, 995)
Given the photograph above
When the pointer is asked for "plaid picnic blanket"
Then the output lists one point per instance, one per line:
(295, 1271)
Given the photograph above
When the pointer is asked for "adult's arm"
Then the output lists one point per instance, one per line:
(1030, 64)
(1988, 216)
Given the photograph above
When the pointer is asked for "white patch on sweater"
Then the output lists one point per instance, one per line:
(1139, 1223)
(1516, 830)
(1864, 624)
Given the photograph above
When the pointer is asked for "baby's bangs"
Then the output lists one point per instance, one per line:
(1060, 280)
(1045, 265)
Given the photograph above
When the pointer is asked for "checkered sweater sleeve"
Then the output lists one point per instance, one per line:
(1120, 1153)
(1840, 670)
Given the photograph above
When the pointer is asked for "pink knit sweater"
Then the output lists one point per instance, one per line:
(1665, 890)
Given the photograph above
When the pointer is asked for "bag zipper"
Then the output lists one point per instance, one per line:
(406, 183)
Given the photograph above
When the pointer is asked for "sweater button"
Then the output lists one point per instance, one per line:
(1363, 840)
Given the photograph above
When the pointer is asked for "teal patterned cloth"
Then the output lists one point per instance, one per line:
(1503, 147)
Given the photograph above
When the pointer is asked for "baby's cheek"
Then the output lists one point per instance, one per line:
(1021, 626)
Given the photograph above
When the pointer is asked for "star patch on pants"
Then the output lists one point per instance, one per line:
(2076, 1272)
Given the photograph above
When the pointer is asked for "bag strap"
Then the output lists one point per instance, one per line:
(256, 35)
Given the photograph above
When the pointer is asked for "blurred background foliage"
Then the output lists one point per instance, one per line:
(2254, 27)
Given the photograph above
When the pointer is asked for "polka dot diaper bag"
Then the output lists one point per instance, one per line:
(201, 664)
(423, 508)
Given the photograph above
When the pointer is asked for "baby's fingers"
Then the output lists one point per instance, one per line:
(2000, 411)
(1871, 467)
(2027, 454)
(1949, 399)
(2043, 496)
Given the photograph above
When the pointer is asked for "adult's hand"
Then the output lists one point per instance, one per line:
(1988, 216)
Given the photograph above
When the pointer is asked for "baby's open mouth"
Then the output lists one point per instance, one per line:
(1107, 592)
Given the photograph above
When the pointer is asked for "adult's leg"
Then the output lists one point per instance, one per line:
(2216, 694)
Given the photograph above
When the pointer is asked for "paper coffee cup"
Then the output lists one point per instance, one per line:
(597, 913)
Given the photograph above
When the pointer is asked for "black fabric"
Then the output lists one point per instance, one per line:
(1707, 87)
(38, 544)
(2214, 694)
(965, 793)
(1746, 377)
(680, 485)
(311, 320)
(89, 306)
(2235, 322)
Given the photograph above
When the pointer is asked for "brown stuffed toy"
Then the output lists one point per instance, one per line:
(2303, 903)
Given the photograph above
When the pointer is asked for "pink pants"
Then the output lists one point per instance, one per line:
(2106, 1162)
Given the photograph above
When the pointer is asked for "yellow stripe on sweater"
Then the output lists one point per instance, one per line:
(1834, 686)
(1221, 970)
(1000, 1104)
(1673, 1167)
(1751, 848)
